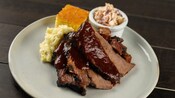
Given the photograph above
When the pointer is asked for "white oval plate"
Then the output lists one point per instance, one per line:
(39, 79)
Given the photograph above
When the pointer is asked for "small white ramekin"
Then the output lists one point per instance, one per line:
(115, 30)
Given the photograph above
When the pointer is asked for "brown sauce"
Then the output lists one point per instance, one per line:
(67, 48)
(61, 60)
(91, 50)
(79, 60)
(95, 52)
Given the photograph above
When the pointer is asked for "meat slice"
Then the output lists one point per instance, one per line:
(68, 74)
(73, 68)
(69, 80)
(73, 77)
(122, 66)
(100, 53)
(98, 82)
(116, 43)
(63, 78)
(77, 65)
(60, 54)
(95, 53)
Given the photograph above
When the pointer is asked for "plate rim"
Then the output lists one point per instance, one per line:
(157, 62)
(32, 94)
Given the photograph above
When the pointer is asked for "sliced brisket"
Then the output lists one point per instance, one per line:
(97, 81)
(87, 58)
(120, 63)
(68, 74)
(69, 80)
(73, 68)
(77, 66)
(100, 53)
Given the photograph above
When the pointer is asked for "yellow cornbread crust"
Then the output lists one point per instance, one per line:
(71, 16)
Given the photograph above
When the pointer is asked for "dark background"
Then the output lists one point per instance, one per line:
(152, 19)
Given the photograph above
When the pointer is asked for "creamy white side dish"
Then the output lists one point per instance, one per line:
(53, 37)
(108, 15)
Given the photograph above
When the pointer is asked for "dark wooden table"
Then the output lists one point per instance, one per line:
(152, 19)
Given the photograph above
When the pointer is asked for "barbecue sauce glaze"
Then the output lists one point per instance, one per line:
(94, 51)
(85, 49)
(66, 48)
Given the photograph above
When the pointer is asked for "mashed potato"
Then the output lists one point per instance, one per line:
(53, 37)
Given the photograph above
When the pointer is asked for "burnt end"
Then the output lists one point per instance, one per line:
(67, 80)
(116, 46)
(105, 32)
(75, 88)
(120, 40)
(70, 80)
(119, 48)
(127, 57)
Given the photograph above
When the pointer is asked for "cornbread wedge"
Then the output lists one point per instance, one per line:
(71, 16)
